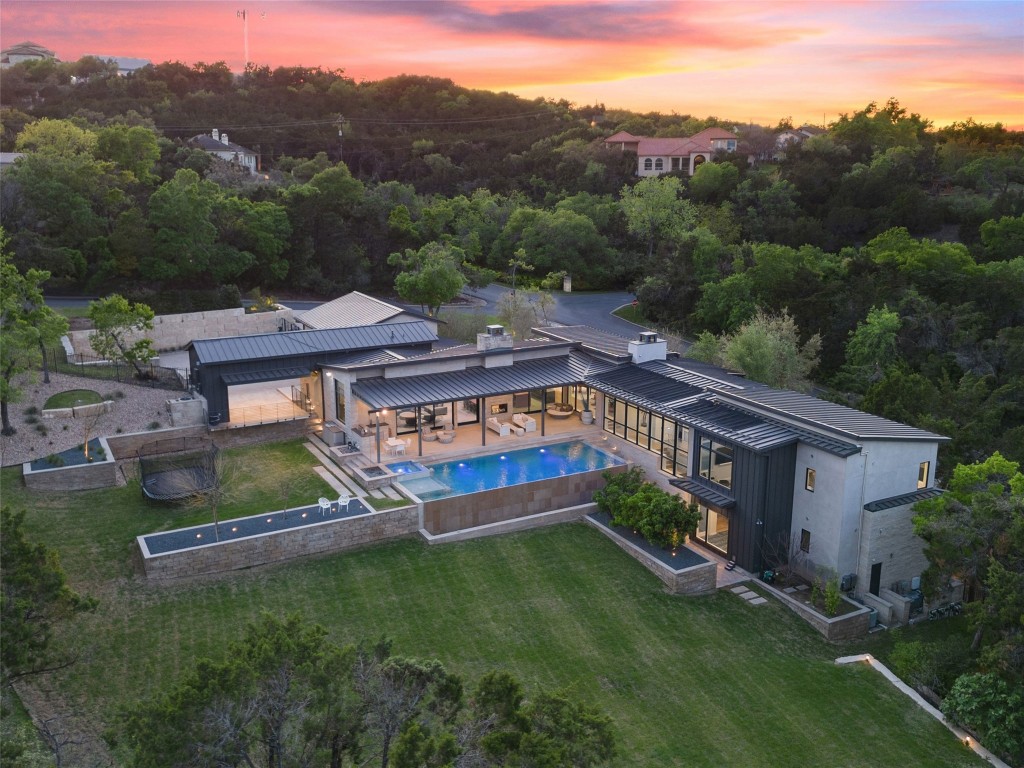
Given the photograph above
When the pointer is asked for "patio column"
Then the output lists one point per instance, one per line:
(483, 421)
(543, 413)
(377, 419)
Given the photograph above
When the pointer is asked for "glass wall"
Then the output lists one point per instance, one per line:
(713, 528)
(651, 432)
(716, 462)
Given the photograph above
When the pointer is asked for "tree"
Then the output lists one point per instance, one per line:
(34, 598)
(131, 148)
(713, 182)
(60, 138)
(431, 276)
(181, 211)
(871, 349)
(27, 325)
(991, 708)
(975, 532)
(654, 211)
(767, 348)
(117, 322)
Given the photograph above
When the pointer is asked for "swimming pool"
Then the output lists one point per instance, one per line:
(499, 470)
(406, 470)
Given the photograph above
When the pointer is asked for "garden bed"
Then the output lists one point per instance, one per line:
(71, 470)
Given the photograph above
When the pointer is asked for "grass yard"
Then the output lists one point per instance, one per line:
(630, 313)
(706, 681)
(72, 397)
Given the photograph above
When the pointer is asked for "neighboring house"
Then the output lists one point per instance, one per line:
(125, 64)
(770, 469)
(27, 51)
(217, 144)
(355, 309)
(796, 136)
(656, 156)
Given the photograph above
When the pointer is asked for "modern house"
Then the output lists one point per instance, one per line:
(26, 51)
(769, 469)
(656, 156)
(217, 144)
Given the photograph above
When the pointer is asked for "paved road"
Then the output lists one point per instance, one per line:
(593, 309)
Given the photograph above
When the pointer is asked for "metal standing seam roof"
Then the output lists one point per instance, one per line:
(380, 392)
(352, 309)
(293, 343)
(907, 498)
(602, 341)
(705, 491)
(831, 416)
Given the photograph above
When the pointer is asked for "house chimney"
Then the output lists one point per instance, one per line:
(648, 348)
(224, 138)
(494, 339)
(216, 135)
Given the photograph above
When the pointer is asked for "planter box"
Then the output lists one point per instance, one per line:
(846, 627)
(79, 477)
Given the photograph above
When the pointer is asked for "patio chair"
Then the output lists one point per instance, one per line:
(325, 506)
(343, 501)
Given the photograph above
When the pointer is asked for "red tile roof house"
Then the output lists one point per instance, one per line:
(658, 156)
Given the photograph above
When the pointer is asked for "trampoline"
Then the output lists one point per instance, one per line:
(178, 474)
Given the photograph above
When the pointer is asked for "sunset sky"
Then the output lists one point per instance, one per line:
(756, 61)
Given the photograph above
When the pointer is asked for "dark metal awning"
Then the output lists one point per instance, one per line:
(710, 494)
(255, 377)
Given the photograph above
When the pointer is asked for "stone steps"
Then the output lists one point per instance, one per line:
(347, 484)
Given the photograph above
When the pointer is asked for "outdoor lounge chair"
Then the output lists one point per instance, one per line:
(343, 501)
(501, 427)
(525, 421)
(325, 506)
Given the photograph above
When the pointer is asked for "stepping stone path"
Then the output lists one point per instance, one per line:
(749, 595)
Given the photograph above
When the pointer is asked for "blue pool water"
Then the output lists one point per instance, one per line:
(408, 468)
(497, 470)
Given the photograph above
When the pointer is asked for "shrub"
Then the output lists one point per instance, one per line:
(661, 517)
(55, 460)
(64, 428)
(991, 708)
(618, 486)
(31, 411)
(832, 596)
(42, 430)
(31, 419)
(153, 425)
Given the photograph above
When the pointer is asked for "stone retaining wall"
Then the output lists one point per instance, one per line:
(81, 477)
(177, 331)
(846, 627)
(78, 411)
(695, 580)
(485, 507)
(126, 446)
(320, 538)
(554, 517)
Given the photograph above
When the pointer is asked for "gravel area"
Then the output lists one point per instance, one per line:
(135, 412)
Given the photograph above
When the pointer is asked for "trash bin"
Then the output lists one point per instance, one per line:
(873, 618)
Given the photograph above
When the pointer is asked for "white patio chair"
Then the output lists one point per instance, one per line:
(343, 501)
(325, 506)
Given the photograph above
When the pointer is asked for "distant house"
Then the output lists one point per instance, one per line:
(796, 135)
(656, 156)
(356, 309)
(7, 159)
(27, 51)
(217, 144)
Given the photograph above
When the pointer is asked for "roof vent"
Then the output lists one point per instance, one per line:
(648, 337)
(495, 330)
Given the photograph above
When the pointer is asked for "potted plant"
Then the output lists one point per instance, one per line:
(587, 417)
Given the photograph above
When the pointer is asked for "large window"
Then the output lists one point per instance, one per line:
(648, 164)
(716, 462)
(713, 528)
(651, 432)
(339, 401)
(809, 478)
(659, 164)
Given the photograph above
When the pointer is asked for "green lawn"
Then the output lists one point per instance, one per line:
(72, 397)
(630, 313)
(689, 681)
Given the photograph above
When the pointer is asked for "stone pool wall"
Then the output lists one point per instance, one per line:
(486, 507)
(330, 536)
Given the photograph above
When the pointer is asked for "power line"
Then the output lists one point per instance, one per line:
(365, 121)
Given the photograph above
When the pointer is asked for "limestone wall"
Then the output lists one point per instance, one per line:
(177, 331)
(695, 580)
(330, 536)
(82, 477)
(847, 627)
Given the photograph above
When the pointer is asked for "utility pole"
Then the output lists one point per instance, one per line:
(341, 147)
(244, 16)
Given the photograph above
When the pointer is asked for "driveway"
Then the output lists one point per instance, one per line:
(593, 309)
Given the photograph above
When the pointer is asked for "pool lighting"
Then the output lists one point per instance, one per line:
(502, 458)
(542, 450)
(461, 464)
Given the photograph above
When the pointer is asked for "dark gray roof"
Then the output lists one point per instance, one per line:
(906, 498)
(700, 374)
(643, 386)
(831, 416)
(257, 377)
(210, 144)
(592, 338)
(708, 492)
(380, 392)
(290, 344)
